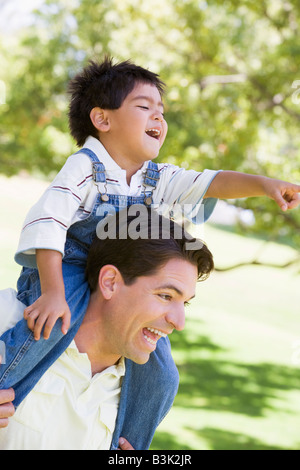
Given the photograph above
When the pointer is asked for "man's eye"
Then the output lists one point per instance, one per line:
(143, 107)
(187, 304)
(166, 297)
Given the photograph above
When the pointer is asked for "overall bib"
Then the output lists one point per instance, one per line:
(148, 390)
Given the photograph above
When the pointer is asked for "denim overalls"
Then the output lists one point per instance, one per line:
(148, 390)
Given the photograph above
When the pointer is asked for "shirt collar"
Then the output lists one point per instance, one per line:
(121, 367)
(98, 148)
(110, 164)
(117, 369)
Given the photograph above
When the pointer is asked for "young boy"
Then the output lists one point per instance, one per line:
(116, 114)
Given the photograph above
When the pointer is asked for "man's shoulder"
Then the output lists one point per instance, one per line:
(11, 309)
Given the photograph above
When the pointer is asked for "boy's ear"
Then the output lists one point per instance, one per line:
(100, 119)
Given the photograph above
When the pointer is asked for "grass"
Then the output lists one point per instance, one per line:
(238, 357)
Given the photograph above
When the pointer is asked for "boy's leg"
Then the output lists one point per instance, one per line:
(11, 311)
(27, 359)
(148, 393)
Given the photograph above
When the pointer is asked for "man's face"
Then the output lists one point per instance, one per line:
(138, 128)
(152, 307)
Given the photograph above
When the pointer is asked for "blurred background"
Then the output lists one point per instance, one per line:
(232, 103)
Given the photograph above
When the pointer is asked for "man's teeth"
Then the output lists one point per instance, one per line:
(156, 332)
(151, 341)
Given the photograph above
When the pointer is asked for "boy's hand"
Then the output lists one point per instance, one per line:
(45, 312)
(285, 194)
(235, 185)
(124, 444)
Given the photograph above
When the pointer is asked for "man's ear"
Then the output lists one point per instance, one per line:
(100, 119)
(108, 280)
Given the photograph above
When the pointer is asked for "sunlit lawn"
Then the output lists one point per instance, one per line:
(237, 358)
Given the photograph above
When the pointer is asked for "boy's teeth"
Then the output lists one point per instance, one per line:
(153, 132)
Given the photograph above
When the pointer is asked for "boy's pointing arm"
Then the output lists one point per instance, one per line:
(235, 185)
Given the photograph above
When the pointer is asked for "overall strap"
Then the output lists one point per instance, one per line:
(97, 166)
(151, 178)
(152, 175)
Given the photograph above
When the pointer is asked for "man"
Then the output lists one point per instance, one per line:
(87, 399)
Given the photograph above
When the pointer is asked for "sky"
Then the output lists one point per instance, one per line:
(16, 13)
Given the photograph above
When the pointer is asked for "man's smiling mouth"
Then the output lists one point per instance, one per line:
(154, 335)
(155, 133)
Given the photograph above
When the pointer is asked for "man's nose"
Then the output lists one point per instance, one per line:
(176, 317)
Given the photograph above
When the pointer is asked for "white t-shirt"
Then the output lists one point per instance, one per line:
(49, 219)
(68, 409)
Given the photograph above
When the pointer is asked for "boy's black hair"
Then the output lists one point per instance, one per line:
(104, 85)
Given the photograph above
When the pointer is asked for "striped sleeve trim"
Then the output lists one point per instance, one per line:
(85, 181)
(46, 220)
(164, 168)
(176, 173)
(66, 190)
(82, 209)
(197, 177)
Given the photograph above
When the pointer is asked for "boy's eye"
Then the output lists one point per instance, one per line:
(187, 304)
(147, 108)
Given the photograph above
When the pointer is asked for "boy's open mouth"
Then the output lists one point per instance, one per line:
(155, 133)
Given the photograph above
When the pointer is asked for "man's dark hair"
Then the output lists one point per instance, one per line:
(104, 85)
(144, 256)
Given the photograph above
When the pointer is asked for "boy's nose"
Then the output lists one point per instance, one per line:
(158, 117)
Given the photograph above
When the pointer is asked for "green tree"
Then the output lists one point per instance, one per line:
(229, 66)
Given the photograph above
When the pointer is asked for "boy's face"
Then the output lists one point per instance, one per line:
(137, 129)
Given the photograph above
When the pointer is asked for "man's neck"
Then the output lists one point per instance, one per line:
(91, 340)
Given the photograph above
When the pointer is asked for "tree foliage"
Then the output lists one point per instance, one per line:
(229, 66)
